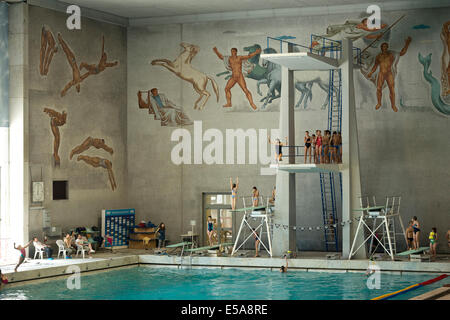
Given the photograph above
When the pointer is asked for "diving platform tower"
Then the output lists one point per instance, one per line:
(342, 59)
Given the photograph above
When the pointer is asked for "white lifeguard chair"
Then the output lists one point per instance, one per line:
(263, 215)
(383, 218)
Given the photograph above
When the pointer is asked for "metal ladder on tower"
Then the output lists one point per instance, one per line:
(327, 185)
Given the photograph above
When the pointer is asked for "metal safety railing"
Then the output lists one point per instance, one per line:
(319, 45)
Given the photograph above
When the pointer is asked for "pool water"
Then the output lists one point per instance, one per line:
(153, 283)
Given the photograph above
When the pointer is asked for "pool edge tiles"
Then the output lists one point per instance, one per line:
(305, 264)
(86, 265)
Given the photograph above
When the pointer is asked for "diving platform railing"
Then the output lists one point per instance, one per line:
(322, 54)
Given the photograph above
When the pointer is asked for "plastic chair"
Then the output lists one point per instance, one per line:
(81, 249)
(61, 248)
(39, 251)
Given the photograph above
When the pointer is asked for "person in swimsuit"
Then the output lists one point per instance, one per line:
(307, 140)
(256, 237)
(339, 147)
(283, 269)
(23, 253)
(313, 143)
(416, 230)
(333, 147)
(234, 188)
(326, 147)
(210, 230)
(433, 242)
(272, 200)
(318, 146)
(410, 236)
(278, 148)
(255, 197)
(3, 279)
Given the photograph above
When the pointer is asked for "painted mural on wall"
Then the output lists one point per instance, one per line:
(92, 69)
(183, 68)
(234, 64)
(96, 162)
(48, 49)
(440, 91)
(4, 66)
(57, 119)
(163, 109)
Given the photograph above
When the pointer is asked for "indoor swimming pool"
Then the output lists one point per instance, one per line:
(155, 283)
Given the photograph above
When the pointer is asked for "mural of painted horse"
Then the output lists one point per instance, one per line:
(270, 74)
(182, 67)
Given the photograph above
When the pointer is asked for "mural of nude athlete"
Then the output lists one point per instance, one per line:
(57, 119)
(48, 49)
(385, 61)
(91, 142)
(102, 64)
(235, 63)
(97, 162)
(445, 36)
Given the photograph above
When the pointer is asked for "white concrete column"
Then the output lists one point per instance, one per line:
(285, 205)
(351, 182)
(19, 121)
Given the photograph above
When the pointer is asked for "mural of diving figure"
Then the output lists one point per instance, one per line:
(77, 78)
(385, 60)
(102, 64)
(57, 119)
(91, 142)
(48, 49)
(97, 162)
(182, 68)
(234, 64)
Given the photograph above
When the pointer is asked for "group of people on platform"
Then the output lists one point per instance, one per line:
(323, 149)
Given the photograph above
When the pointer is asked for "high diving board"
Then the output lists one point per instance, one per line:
(308, 167)
(302, 61)
(249, 209)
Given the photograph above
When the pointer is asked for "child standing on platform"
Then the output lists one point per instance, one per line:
(433, 242)
(162, 234)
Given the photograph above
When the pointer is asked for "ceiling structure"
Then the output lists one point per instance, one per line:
(143, 12)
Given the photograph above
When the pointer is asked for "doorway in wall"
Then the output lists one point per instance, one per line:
(218, 206)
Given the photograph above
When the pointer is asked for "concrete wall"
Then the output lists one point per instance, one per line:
(401, 153)
(98, 110)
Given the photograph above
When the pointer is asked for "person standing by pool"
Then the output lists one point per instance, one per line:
(256, 237)
(416, 230)
(255, 197)
(210, 230)
(410, 235)
(318, 146)
(234, 188)
(283, 269)
(23, 253)
(433, 242)
(162, 234)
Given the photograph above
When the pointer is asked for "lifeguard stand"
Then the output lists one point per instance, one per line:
(336, 57)
(263, 217)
